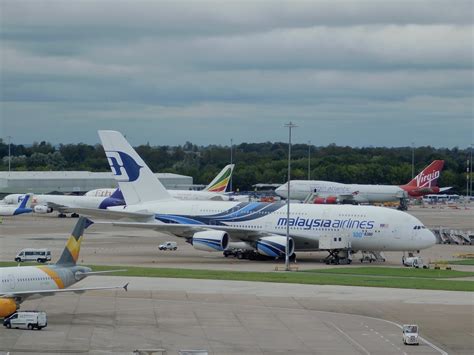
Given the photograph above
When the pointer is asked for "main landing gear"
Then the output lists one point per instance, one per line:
(403, 204)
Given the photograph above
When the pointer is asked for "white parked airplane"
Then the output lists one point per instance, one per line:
(215, 191)
(22, 282)
(216, 226)
(23, 207)
(103, 198)
(328, 192)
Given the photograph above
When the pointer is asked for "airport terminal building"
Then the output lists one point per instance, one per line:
(74, 181)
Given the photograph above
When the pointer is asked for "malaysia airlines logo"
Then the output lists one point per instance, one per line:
(124, 167)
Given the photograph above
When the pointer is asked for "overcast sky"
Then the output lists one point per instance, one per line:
(359, 73)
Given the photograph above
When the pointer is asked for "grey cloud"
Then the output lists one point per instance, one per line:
(201, 71)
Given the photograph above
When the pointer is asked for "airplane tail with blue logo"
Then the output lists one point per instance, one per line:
(137, 182)
(26, 201)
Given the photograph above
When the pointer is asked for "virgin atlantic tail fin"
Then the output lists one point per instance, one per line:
(429, 176)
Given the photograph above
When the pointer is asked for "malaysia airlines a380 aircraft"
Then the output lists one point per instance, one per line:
(20, 283)
(258, 226)
(328, 192)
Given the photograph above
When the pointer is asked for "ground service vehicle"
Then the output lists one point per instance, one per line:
(168, 246)
(26, 319)
(410, 334)
(31, 254)
(414, 261)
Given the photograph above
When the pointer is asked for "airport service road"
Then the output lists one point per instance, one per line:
(226, 317)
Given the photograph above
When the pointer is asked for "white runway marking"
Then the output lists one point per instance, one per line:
(352, 340)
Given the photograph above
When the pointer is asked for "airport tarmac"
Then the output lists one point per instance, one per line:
(226, 317)
(107, 245)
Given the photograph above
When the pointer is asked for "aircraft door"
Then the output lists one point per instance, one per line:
(11, 281)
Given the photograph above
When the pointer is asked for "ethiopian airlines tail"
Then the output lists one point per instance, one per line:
(429, 176)
(136, 181)
(220, 182)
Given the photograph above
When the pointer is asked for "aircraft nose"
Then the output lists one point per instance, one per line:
(281, 191)
(429, 239)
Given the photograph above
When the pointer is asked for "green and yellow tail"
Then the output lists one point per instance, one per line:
(220, 182)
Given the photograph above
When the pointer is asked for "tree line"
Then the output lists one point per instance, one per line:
(255, 162)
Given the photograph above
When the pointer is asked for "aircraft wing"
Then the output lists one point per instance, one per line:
(443, 189)
(147, 220)
(144, 216)
(187, 230)
(26, 294)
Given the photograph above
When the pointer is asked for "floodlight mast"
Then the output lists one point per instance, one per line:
(289, 125)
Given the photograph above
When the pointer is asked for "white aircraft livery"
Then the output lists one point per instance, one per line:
(258, 226)
(22, 282)
(23, 207)
(215, 191)
(328, 192)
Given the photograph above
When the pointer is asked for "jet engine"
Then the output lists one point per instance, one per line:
(331, 200)
(42, 209)
(7, 307)
(210, 240)
(274, 246)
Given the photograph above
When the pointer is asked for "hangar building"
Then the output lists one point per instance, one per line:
(74, 181)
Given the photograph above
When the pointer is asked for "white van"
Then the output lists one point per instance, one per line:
(31, 254)
(26, 319)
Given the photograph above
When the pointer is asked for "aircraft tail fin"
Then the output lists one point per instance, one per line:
(73, 246)
(429, 176)
(136, 181)
(26, 201)
(220, 182)
(117, 194)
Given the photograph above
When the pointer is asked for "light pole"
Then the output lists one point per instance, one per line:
(470, 175)
(289, 125)
(467, 180)
(412, 160)
(231, 161)
(9, 153)
(309, 160)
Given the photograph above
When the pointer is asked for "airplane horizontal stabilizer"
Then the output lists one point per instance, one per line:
(443, 189)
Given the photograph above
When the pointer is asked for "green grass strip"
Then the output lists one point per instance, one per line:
(312, 278)
(394, 272)
(462, 262)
